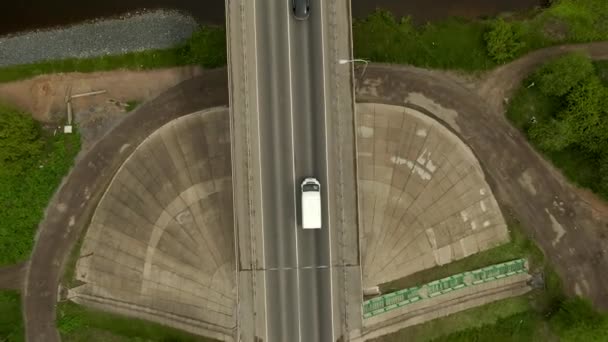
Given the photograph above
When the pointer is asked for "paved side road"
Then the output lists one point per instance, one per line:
(71, 207)
(527, 186)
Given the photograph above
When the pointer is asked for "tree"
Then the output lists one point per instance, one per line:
(585, 115)
(558, 77)
(503, 41)
(551, 135)
(20, 141)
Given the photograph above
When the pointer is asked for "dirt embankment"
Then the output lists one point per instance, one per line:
(45, 96)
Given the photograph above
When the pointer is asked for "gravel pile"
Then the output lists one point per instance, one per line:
(151, 30)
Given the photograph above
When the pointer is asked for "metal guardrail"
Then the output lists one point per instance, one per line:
(394, 300)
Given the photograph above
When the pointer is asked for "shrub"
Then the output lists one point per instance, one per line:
(550, 135)
(585, 115)
(557, 78)
(503, 41)
(19, 140)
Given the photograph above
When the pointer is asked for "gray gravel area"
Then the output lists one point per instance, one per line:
(151, 30)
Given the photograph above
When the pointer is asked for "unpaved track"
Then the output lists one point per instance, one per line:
(502, 82)
(71, 207)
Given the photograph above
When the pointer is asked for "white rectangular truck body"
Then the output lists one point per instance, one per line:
(311, 204)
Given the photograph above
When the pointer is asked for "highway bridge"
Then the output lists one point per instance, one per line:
(292, 116)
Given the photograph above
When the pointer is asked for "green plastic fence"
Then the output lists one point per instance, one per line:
(390, 301)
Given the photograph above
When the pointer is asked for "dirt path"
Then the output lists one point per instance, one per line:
(503, 81)
(44, 96)
(72, 205)
(568, 230)
(11, 277)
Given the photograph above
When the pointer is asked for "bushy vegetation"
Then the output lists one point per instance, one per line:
(11, 324)
(32, 164)
(477, 44)
(206, 47)
(563, 109)
(78, 323)
(503, 41)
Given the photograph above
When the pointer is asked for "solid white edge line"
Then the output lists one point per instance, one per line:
(331, 284)
(293, 161)
(257, 101)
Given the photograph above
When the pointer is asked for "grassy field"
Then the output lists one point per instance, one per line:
(11, 324)
(78, 324)
(519, 246)
(207, 47)
(498, 317)
(460, 44)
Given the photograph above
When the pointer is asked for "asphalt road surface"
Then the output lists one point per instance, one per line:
(291, 105)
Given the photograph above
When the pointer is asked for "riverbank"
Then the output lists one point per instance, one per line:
(146, 31)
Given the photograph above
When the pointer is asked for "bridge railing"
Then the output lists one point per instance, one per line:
(397, 299)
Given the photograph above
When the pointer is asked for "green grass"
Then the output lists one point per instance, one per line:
(524, 326)
(207, 48)
(519, 246)
(11, 323)
(26, 194)
(78, 323)
(459, 44)
(131, 105)
(498, 317)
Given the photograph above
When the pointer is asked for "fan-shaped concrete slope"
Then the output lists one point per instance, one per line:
(160, 245)
(423, 197)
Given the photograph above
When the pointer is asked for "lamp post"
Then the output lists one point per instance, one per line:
(356, 60)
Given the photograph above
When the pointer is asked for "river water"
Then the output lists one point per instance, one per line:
(21, 15)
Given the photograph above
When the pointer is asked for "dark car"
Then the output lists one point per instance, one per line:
(301, 9)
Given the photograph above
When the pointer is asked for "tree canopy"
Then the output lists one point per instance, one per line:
(503, 41)
(557, 78)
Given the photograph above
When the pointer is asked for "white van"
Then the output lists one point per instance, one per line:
(311, 203)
